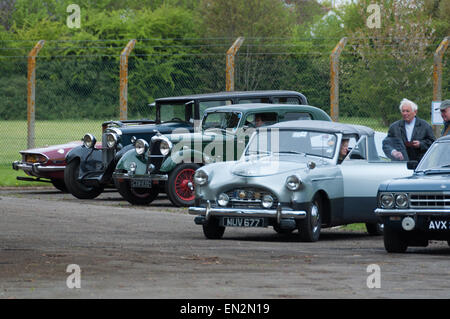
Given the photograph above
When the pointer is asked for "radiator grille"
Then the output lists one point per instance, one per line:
(430, 200)
(249, 198)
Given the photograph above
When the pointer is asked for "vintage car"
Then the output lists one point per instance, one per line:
(296, 175)
(172, 159)
(89, 169)
(416, 209)
(45, 164)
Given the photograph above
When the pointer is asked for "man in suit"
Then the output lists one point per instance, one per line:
(445, 113)
(414, 133)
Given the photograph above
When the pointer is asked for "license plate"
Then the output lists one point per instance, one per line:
(141, 183)
(439, 225)
(242, 222)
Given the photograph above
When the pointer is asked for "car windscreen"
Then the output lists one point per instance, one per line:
(436, 159)
(175, 112)
(221, 120)
(293, 142)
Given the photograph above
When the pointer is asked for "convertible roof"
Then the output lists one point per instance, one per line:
(232, 94)
(327, 127)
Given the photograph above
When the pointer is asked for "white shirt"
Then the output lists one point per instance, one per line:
(409, 127)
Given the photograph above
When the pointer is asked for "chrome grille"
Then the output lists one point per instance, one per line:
(429, 200)
(249, 197)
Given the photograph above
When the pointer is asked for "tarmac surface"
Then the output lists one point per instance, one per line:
(53, 245)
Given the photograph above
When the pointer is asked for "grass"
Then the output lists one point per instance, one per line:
(14, 139)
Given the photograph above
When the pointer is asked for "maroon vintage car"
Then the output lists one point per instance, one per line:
(45, 164)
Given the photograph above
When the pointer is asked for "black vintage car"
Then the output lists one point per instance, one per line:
(416, 209)
(89, 169)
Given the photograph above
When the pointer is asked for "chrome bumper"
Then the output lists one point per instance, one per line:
(36, 167)
(411, 212)
(151, 177)
(277, 213)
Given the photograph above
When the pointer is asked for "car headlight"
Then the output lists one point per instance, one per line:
(223, 199)
(387, 200)
(111, 140)
(293, 183)
(89, 140)
(401, 200)
(200, 177)
(267, 201)
(141, 146)
(165, 146)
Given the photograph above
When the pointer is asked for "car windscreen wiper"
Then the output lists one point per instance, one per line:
(436, 171)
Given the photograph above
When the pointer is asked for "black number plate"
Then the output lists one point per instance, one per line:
(141, 183)
(242, 222)
(439, 225)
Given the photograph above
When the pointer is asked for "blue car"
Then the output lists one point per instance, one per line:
(416, 209)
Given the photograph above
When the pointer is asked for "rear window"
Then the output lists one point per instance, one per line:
(286, 100)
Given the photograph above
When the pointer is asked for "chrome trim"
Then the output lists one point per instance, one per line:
(153, 177)
(388, 212)
(278, 213)
(115, 130)
(37, 167)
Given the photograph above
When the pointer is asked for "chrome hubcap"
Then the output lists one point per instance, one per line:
(315, 217)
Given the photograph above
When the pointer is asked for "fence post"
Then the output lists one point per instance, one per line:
(437, 75)
(231, 53)
(124, 79)
(334, 79)
(31, 92)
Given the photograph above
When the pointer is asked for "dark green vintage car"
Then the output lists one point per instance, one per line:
(171, 160)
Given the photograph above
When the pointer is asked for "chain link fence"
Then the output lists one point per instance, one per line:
(75, 93)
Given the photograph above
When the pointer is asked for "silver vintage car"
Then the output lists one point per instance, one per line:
(301, 175)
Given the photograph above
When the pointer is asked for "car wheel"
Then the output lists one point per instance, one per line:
(179, 184)
(212, 229)
(59, 184)
(77, 189)
(309, 227)
(375, 229)
(394, 242)
(137, 196)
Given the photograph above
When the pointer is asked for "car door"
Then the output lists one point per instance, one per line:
(361, 179)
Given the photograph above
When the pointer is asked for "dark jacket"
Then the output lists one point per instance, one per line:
(422, 132)
(446, 130)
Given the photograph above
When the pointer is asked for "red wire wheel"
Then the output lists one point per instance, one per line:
(182, 180)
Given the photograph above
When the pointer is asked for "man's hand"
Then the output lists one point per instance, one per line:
(415, 144)
(398, 155)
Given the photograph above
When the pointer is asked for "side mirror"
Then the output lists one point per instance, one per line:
(412, 164)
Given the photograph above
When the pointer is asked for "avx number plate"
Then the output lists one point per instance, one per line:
(439, 225)
(141, 183)
(242, 222)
